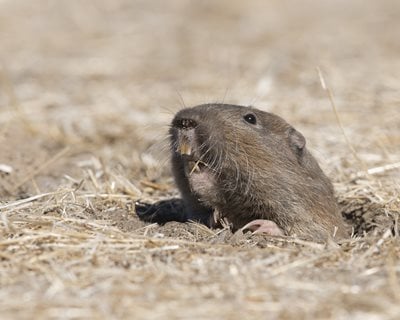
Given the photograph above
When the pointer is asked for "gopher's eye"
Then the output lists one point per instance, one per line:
(250, 118)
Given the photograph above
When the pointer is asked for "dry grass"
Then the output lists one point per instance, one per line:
(86, 93)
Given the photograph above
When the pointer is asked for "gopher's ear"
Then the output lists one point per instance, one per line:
(297, 141)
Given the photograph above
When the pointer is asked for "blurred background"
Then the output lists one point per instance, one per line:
(107, 76)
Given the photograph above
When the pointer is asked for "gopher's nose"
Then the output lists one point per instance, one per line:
(184, 123)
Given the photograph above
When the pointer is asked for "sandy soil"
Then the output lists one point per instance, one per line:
(87, 90)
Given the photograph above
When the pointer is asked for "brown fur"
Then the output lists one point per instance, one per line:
(251, 171)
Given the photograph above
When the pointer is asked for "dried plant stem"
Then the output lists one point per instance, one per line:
(26, 200)
(45, 165)
(339, 121)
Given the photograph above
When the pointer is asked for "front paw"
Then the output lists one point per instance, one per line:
(261, 226)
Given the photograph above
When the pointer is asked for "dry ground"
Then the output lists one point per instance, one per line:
(87, 89)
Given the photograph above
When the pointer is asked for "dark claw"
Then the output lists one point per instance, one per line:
(143, 209)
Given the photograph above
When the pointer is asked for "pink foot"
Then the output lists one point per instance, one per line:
(264, 226)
